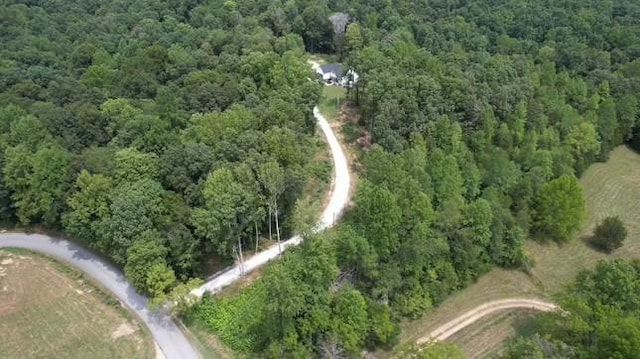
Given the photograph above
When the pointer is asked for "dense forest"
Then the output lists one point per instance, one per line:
(163, 132)
(482, 114)
(157, 133)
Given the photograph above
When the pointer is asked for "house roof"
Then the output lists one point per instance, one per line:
(336, 68)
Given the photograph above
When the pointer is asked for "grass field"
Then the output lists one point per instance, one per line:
(611, 188)
(48, 310)
(332, 97)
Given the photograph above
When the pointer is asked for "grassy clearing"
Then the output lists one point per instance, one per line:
(323, 58)
(611, 188)
(332, 97)
(49, 310)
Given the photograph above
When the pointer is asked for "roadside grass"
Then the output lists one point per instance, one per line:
(316, 190)
(332, 97)
(208, 344)
(50, 310)
(610, 189)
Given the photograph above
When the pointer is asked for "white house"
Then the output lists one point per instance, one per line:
(332, 74)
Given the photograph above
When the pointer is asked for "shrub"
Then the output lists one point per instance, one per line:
(609, 235)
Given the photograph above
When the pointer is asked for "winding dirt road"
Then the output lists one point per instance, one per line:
(450, 328)
(168, 337)
(338, 201)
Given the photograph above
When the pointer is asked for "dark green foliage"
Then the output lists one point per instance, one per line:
(482, 114)
(299, 307)
(609, 235)
(168, 132)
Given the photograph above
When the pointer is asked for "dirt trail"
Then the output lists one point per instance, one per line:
(450, 328)
(339, 199)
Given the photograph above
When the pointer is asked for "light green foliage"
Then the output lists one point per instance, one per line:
(272, 177)
(353, 37)
(99, 76)
(583, 142)
(215, 129)
(132, 165)
(88, 205)
(559, 209)
(145, 266)
(233, 319)
(350, 322)
(37, 181)
(160, 279)
(378, 215)
(436, 350)
(29, 132)
(599, 318)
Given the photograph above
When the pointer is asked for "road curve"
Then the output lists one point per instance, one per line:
(448, 329)
(338, 201)
(171, 340)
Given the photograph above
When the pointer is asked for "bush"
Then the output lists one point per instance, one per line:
(609, 235)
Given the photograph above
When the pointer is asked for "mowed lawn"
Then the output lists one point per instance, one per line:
(610, 189)
(332, 97)
(48, 310)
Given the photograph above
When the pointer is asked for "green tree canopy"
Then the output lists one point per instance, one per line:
(559, 209)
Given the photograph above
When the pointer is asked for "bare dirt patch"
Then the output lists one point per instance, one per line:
(46, 312)
(125, 329)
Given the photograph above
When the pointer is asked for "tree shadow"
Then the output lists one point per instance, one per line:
(589, 240)
(525, 323)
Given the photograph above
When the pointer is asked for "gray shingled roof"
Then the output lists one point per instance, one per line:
(336, 68)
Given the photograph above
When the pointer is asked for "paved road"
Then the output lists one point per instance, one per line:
(450, 328)
(166, 333)
(340, 187)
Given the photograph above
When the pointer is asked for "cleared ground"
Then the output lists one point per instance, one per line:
(611, 188)
(332, 99)
(48, 310)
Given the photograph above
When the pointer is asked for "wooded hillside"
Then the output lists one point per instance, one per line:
(482, 114)
(157, 132)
